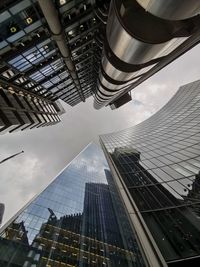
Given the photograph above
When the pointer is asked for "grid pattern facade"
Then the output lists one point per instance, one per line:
(30, 57)
(78, 220)
(159, 162)
(21, 111)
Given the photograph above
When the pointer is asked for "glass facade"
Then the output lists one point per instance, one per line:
(78, 220)
(159, 163)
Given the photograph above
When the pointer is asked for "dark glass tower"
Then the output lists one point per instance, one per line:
(156, 164)
(78, 220)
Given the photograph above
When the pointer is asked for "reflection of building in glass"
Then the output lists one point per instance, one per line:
(99, 203)
(100, 222)
(14, 245)
(73, 222)
(194, 195)
(174, 230)
(156, 165)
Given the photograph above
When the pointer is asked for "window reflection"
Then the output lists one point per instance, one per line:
(78, 220)
(170, 208)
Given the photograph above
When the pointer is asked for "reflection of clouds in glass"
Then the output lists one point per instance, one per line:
(91, 161)
(76, 212)
(65, 196)
(137, 102)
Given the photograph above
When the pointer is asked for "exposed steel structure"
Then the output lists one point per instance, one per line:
(71, 50)
(141, 38)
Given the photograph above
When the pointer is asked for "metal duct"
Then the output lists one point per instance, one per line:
(128, 44)
(171, 9)
(52, 18)
(111, 86)
(119, 75)
(135, 41)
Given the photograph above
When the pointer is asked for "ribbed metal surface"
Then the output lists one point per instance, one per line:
(171, 9)
(134, 47)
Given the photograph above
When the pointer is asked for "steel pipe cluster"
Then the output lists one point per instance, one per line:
(139, 33)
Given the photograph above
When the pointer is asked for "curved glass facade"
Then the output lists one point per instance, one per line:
(159, 163)
(78, 220)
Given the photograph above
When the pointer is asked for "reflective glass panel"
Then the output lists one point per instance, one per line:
(78, 220)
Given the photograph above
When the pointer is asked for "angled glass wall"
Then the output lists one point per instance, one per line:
(159, 163)
(78, 220)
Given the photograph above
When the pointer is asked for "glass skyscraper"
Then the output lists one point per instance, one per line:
(78, 220)
(157, 164)
(72, 50)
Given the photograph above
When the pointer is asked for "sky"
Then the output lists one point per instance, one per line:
(49, 149)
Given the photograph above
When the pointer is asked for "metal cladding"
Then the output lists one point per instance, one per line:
(139, 35)
(170, 9)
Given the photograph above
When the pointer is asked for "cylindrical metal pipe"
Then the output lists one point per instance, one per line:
(99, 103)
(130, 48)
(109, 89)
(52, 18)
(111, 86)
(134, 39)
(104, 95)
(171, 9)
(119, 75)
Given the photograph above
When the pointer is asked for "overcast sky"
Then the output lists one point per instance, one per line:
(49, 149)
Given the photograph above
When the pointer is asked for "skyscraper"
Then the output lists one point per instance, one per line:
(78, 220)
(51, 48)
(156, 164)
(71, 50)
